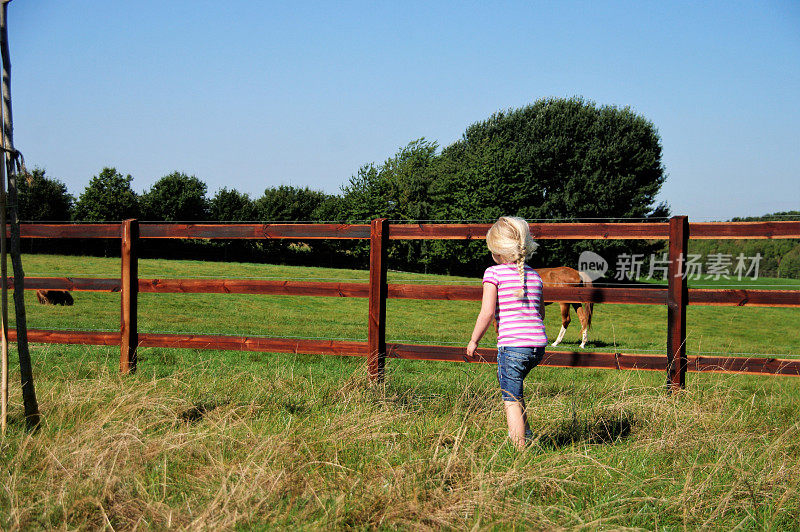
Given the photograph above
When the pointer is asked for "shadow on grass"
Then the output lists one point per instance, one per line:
(574, 345)
(598, 428)
(197, 412)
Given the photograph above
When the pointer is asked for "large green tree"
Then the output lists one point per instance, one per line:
(43, 198)
(109, 197)
(564, 159)
(175, 197)
(556, 158)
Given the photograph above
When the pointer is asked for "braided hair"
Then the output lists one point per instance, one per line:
(510, 240)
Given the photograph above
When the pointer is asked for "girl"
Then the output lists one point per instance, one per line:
(512, 293)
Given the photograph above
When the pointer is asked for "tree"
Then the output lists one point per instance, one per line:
(778, 257)
(42, 198)
(554, 159)
(557, 158)
(398, 189)
(175, 197)
(292, 204)
(231, 206)
(288, 203)
(109, 196)
(331, 209)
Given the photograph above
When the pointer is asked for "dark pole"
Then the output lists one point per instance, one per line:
(129, 339)
(677, 297)
(378, 292)
(31, 405)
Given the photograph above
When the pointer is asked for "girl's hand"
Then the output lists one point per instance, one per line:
(472, 346)
(488, 302)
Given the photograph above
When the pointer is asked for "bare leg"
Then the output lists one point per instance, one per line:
(560, 336)
(517, 422)
(565, 319)
(584, 324)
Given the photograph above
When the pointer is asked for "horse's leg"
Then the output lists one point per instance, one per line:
(565, 319)
(584, 323)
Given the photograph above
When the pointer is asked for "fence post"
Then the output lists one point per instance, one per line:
(677, 298)
(378, 291)
(129, 288)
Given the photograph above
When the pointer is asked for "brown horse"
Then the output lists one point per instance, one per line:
(564, 276)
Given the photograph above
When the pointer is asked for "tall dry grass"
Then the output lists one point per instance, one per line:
(215, 446)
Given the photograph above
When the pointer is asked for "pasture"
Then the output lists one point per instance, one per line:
(230, 439)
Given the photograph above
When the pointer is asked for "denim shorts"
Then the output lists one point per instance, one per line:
(513, 364)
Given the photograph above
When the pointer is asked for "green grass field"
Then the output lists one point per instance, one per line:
(209, 439)
(628, 328)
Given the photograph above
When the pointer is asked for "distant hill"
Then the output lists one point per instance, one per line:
(779, 258)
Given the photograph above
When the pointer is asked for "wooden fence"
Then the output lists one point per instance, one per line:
(675, 296)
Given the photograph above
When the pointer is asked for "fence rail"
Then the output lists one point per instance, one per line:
(568, 294)
(542, 231)
(559, 358)
(676, 295)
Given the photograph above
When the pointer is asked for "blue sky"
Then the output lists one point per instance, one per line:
(250, 94)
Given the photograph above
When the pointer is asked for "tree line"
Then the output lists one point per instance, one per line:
(779, 257)
(558, 158)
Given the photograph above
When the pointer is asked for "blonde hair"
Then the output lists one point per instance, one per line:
(510, 240)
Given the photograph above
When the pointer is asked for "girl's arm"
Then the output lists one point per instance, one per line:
(485, 316)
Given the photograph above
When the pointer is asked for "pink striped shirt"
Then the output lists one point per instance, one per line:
(520, 324)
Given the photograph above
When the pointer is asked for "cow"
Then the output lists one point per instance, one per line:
(54, 297)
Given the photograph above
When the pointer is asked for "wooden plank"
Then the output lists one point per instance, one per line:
(621, 295)
(438, 231)
(73, 284)
(378, 290)
(255, 231)
(129, 297)
(43, 336)
(323, 289)
(253, 286)
(573, 359)
(566, 294)
(255, 343)
(744, 297)
(705, 230)
(677, 298)
(616, 295)
(439, 353)
(742, 230)
(541, 231)
(229, 343)
(629, 296)
(69, 230)
(750, 366)
(443, 292)
(600, 360)
(581, 231)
